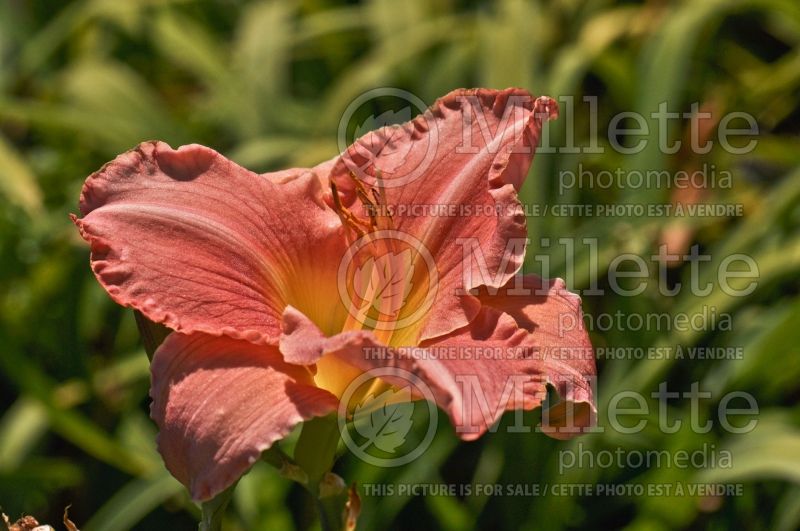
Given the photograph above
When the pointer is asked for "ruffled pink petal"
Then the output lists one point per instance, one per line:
(303, 343)
(220, 402)
(200, 244)
(450, 178)
(504, 359)
(553, 318)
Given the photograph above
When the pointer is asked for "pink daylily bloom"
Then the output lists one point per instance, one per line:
(276, 285)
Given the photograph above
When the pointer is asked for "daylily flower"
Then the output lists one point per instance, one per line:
(276, 285)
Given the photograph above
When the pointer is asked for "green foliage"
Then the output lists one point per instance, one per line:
(265, 82)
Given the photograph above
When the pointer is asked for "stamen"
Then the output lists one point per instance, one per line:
(373, 201)
(347, 217)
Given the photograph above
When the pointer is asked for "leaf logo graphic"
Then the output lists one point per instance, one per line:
(384, 420)
(385, 281)
(386, 118)
(381, 142)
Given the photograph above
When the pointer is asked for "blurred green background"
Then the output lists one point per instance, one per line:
(266, 82)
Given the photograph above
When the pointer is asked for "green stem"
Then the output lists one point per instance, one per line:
(214, 509)
(315, 453)
(331, 512)
(316, 449)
